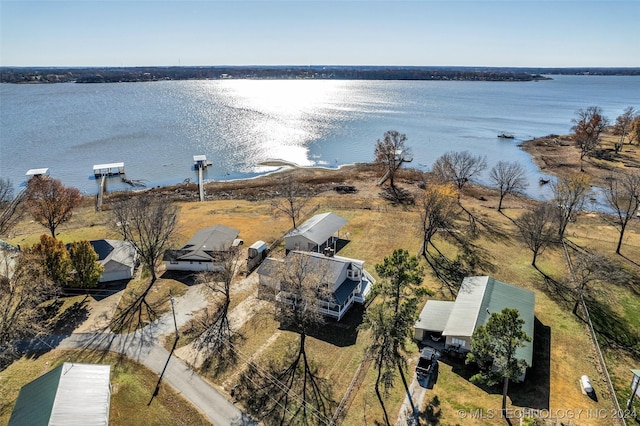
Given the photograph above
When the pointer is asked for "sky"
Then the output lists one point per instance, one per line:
(506, 33)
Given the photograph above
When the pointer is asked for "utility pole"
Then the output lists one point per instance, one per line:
(173, 348)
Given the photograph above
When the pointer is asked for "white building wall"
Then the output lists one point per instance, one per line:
(193, 266)
(298, 242)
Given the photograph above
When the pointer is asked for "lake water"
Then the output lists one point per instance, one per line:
(156, 128)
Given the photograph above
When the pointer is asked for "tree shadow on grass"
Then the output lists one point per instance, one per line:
(613, 330)
(471, 260)
(71, 318)
(432, 413)
(223, 359)
(288, 391)
(184, 277)
(535, 391)
(558, 291)
(397, 196)
(341, 333)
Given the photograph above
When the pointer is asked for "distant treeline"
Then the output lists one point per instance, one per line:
(133, 74)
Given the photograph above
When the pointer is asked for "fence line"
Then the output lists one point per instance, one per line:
(592, 332)
(357, 377)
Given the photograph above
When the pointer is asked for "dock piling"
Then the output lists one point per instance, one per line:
(200, 162)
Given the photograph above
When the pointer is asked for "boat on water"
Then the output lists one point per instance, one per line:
(504, 135)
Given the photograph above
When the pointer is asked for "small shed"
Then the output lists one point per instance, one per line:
(70, 394)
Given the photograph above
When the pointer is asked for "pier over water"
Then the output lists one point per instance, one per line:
(200, 163)
(102, 171)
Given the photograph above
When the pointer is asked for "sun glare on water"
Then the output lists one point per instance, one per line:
(281, 117)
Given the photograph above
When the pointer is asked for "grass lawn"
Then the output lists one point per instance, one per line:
(563, 351)
(132, 387)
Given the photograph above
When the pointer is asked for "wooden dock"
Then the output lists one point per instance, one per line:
(200, 162)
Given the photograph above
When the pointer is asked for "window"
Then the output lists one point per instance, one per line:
(458, 342)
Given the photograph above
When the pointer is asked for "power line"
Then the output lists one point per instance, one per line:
(319, 415)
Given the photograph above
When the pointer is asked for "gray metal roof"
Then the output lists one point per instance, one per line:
(204, 243)
(319, 228)
(479, 297)
(115, 250)
(434, 315)
(70, 394)
(331, 268)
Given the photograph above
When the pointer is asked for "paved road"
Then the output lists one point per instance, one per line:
(140, 346)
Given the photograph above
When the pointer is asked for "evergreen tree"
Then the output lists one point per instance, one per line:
(392, 320)
(493, 349)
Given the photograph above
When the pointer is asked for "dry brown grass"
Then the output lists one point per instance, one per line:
(375, 228)
(558, 155)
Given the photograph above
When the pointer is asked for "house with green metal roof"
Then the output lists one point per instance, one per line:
(477, 299)
(346, 279)
(70, 394)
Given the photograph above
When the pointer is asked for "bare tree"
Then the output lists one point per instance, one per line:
(148, 224)
(509, 177)
(588, 125)
(570, 194)
(390, 153)
(216, 329)
(22, 292)
(10, 212)
(437, 210)
(589, 267)
(50, 202)
(634, 130)
(459, 168)
(537, 228)
(292, 392)
(622, 126)
(292, 200)
(622, 194)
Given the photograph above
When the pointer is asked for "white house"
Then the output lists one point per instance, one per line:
(315, 234)
(346, 279)
(203, 251)
(70, 394)
(477, 299)
(118, 258)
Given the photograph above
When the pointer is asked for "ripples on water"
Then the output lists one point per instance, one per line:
(156, 128)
